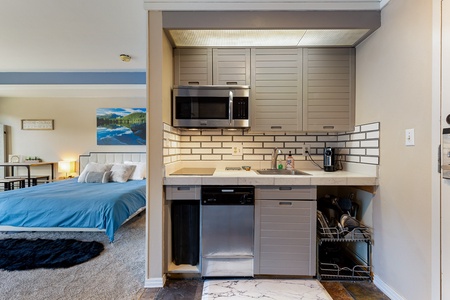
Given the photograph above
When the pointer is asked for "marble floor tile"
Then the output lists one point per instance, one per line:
(267, 289)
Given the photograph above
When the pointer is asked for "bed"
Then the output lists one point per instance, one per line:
(85, 203)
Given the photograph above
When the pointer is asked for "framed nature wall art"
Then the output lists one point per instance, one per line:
(121, 126)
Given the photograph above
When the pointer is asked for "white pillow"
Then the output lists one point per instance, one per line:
(140, 172)
(93, 167)
(121, 172)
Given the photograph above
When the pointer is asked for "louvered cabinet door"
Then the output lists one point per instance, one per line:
(231, 66)
(193, 66)
(276, 90)
(328, 89)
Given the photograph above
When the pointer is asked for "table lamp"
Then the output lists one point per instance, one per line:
(66, 167)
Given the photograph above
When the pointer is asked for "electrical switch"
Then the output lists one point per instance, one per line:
(409, 137)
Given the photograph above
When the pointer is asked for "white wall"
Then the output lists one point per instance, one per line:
(75, 126)
(394, 86)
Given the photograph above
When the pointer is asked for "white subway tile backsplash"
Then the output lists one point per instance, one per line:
(358, 151)
(211, 157)
(201, 151)
(212, 145)
(327, 138)
(360, 146)
(352, 144)
(285, 138)
(373, 135)
(242, 139)
(369, 144)
(352, 158)
(268, 138)
(357, 136)
(344, 137)
(222, 138)
(201, 138)
(306, 138)
(253, 157)
(370, 160)
(190, 145)
(373, 151)
(370, 127)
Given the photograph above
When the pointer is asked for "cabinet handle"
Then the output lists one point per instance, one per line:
(183, 188)
(285, 203)
(276, 127)
(194, 82)
(328, 127)
(231, 82)
(285, 188)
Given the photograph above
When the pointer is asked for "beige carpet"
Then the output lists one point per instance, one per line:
(118, 273)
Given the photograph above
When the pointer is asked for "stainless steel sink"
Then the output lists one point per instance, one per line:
(280, 172)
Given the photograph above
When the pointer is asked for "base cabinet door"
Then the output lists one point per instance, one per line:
(285, 237)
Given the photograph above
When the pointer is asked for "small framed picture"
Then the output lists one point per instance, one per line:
(38, 124)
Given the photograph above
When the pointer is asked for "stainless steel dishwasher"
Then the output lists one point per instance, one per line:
(227, 231)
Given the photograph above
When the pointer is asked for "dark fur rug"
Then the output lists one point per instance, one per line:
(24, 254)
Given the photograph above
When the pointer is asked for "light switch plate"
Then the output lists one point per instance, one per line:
(409, 137)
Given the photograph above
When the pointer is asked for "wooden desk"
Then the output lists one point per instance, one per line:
(28, 166)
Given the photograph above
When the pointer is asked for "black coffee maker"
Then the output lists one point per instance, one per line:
(329, 159)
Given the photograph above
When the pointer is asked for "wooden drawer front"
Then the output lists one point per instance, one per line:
(286, 192)
(183, 192)
(287, 233)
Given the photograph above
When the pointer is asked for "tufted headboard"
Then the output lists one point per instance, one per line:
(110, 157)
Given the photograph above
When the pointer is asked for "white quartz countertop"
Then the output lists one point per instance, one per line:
(242, 177)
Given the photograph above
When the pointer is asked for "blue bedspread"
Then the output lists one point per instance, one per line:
(71, 204)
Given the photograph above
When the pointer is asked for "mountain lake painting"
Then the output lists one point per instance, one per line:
(121, 126)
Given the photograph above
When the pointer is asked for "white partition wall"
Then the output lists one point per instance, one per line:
(2, 149)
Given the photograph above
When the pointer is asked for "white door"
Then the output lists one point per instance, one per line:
(445, 183)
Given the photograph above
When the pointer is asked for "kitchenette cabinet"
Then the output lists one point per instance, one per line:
(207, 66)
(328, 89)
(193, 66)
(276, 90)
(182, 228)
(231, 66)
(292, 89)
(285, 226)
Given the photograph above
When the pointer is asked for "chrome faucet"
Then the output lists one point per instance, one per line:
(275, 154)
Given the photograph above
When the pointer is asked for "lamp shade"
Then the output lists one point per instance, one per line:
(66, 166)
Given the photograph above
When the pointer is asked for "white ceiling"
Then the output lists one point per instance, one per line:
(67, 35)
(71, 36)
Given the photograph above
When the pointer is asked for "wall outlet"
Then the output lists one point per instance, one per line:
(306, 149)
(236, 149)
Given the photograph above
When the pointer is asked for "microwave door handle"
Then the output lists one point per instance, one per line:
(230, 107)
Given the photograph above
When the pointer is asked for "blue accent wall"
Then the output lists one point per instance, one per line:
(72, 78)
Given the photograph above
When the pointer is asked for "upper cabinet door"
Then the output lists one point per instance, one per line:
(193, 66)
(276, 90)
(231, 66)
(329, 89)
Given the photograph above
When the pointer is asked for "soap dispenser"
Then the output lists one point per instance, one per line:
(290, 162)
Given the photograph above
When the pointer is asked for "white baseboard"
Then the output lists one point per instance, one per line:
(386, 289)
(156, 282)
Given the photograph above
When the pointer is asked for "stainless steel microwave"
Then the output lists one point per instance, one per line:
(211, 106)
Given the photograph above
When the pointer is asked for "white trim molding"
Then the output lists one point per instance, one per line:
(261, 5)
(386, 289)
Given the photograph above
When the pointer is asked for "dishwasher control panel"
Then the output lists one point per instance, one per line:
(228, 195)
